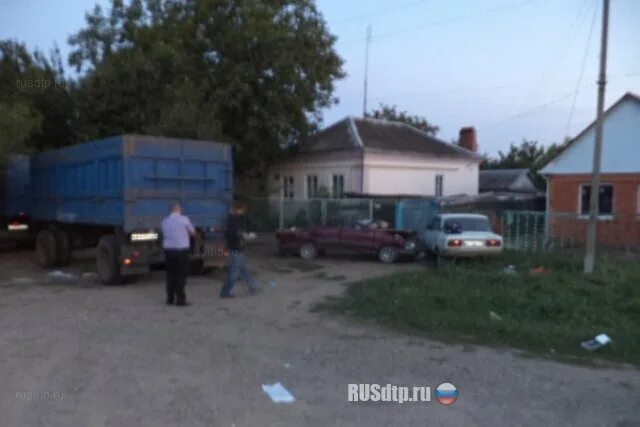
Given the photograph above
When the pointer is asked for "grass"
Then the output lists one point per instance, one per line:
(550, 313)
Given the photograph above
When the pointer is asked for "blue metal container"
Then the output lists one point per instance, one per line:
(129, 181)
(16, 201)
(415, 214)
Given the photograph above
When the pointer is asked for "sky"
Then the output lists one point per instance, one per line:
(514, 69)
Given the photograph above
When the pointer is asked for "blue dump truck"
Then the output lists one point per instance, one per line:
(112, 194)
(15, 201)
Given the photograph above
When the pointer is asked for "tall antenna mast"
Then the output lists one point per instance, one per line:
(366, 70)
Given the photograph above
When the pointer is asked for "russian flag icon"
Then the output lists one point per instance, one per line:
(446, 393)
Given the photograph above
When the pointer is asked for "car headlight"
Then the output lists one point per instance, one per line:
(144, 236)
(410, 245)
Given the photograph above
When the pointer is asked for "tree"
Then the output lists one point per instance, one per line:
(391, 113)
(253, 73)
(528, 155)
(35, 106)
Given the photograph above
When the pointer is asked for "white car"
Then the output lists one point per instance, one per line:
(456, 235)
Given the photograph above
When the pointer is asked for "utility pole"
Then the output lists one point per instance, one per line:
(366, 70)
(594, 197)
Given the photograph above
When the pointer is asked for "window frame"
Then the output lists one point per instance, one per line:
(607, 216)
(439, 185)
(337, 178)
(312, 179)
(288, 187)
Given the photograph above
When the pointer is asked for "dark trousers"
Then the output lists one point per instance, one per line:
(176, 263)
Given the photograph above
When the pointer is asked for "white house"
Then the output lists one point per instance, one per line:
(377, 158)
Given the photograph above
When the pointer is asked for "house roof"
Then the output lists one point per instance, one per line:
(551, 166)
(358, 133)
(516, 180)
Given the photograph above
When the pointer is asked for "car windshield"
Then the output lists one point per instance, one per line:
(461, 224)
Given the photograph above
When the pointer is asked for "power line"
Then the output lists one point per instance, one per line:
(385, 11)
(555, 59)
(538, 108)
(447, 20)
(582, 68)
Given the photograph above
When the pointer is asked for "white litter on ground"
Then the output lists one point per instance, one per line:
(599, 341)
(278, 393)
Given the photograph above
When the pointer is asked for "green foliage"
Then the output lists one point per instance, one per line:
(35, 105)
(391, 113)
(255, 73)
(528, 155)
(548, 313)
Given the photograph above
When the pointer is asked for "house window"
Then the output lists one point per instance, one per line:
(439, 185)
(287, 187)
(312, 186)
(338, 185)
(605, 199)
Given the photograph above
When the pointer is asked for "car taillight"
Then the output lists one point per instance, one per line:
(455, 243)
(494, 243)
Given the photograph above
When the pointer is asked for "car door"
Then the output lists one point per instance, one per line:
(326, 236)
(432, 232)
(356, 237)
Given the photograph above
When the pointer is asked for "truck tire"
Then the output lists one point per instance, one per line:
(108, 260)
(63, 247)
(46, 249)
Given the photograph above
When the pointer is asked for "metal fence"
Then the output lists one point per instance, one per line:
(521, 230)
(270, 214)
(535, 231)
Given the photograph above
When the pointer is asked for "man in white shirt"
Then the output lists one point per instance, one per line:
(176, 230)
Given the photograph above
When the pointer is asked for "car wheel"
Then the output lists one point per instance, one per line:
(308, 251)
(388, 254)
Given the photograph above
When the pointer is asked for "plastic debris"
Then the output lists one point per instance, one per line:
(287, 365)
(272, 284)
(494, 316)
(278, 393)
(510, 269)
(599, 341)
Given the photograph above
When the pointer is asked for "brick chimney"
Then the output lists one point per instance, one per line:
(468, 139)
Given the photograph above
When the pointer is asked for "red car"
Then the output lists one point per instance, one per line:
(369, 238)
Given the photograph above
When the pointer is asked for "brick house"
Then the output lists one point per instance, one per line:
(569, 176)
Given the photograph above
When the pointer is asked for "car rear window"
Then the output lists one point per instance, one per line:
(458, 225)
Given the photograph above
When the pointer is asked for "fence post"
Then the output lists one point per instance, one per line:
(370, 209)
(281, 214)
(323, 212)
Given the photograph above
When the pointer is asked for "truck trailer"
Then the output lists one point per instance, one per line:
(15, 201)
(112, 194)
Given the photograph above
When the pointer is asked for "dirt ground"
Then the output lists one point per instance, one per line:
(75, 353)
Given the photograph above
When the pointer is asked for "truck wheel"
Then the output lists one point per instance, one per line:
(63, 247)
(108, 260)
(308, 251)
(46, 249)
(388, 254)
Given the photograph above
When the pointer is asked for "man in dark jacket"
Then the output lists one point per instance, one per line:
(235, 239)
